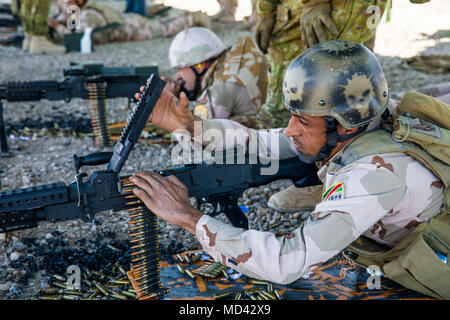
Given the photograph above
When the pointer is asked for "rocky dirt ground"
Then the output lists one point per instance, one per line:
(41, 159)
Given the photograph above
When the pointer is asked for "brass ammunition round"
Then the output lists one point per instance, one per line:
(255, 281)
(128, 294)
(190, 274)
(278, 294)
(50, 297)
(238, 296)
(119, 296)
(49, 291)
(180, 269)
(70, 297)
(221, 295)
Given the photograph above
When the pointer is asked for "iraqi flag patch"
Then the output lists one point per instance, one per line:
(335, 192)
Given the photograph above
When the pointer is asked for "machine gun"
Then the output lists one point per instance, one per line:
(91, 81)
(218, 184)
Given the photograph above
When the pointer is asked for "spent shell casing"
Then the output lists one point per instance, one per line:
(101, 288)
(122, 270)
(119, 296)
(274, 225)
(121, 281)
(58, 277)
(50, 297)
(180, 269)
(180, 258)
(225, 273)
(190, 274)
(238, 296)
(113, 248)
(255, 281)
(186, 258)
(128, 294)
(278, 294)
(73, 292)
(70, 297)
(269, 287)
(60, 285)
(221, 295)
(48, 291)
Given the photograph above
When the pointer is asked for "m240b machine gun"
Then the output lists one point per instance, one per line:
(218, 184)
(90, 81)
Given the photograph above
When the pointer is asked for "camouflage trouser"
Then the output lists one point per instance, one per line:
(137, 28)
(34, 14)
(351, 19)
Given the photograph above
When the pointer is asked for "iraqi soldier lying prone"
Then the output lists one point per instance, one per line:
(371, 188)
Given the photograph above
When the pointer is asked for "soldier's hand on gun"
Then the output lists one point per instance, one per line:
(167, 197)
(316, 22)
(173, 86)
(171, 113)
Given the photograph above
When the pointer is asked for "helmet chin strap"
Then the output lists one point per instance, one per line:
(192, 94)
(332, 137)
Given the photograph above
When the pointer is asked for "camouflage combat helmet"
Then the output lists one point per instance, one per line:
(340, 80)
(194, 45)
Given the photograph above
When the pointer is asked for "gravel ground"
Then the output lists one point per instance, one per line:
(414, 29)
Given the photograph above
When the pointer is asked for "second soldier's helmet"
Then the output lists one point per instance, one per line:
(339, 79)
(194, 45)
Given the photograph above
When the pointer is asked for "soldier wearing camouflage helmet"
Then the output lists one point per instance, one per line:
(221, 82)
(335, 92)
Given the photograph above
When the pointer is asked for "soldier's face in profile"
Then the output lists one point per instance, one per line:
(188, 77)
(308, 133)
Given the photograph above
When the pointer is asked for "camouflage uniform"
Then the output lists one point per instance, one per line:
(34, 14)
(382, 197)
(351, 19)
(134, 27)
(234, 85)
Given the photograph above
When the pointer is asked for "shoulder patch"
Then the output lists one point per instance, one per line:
(201, 110)
(334, 192)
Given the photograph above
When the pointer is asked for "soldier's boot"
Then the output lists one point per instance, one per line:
(26, 41)
(201, 20)
(40, 44)
(294, 199)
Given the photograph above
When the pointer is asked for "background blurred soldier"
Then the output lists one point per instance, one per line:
(34, 14)
(133, 27)
(287, 27)
(220, 82)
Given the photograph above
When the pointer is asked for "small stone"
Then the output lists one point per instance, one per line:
(5, 286)
(14, 256)
(293, 222)
(48, 236)
(261, 211)
(19, 246)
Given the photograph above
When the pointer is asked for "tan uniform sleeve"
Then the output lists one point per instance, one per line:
(369, 193)
(225, 134)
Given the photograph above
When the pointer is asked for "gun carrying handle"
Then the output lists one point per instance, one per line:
(92, 159)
